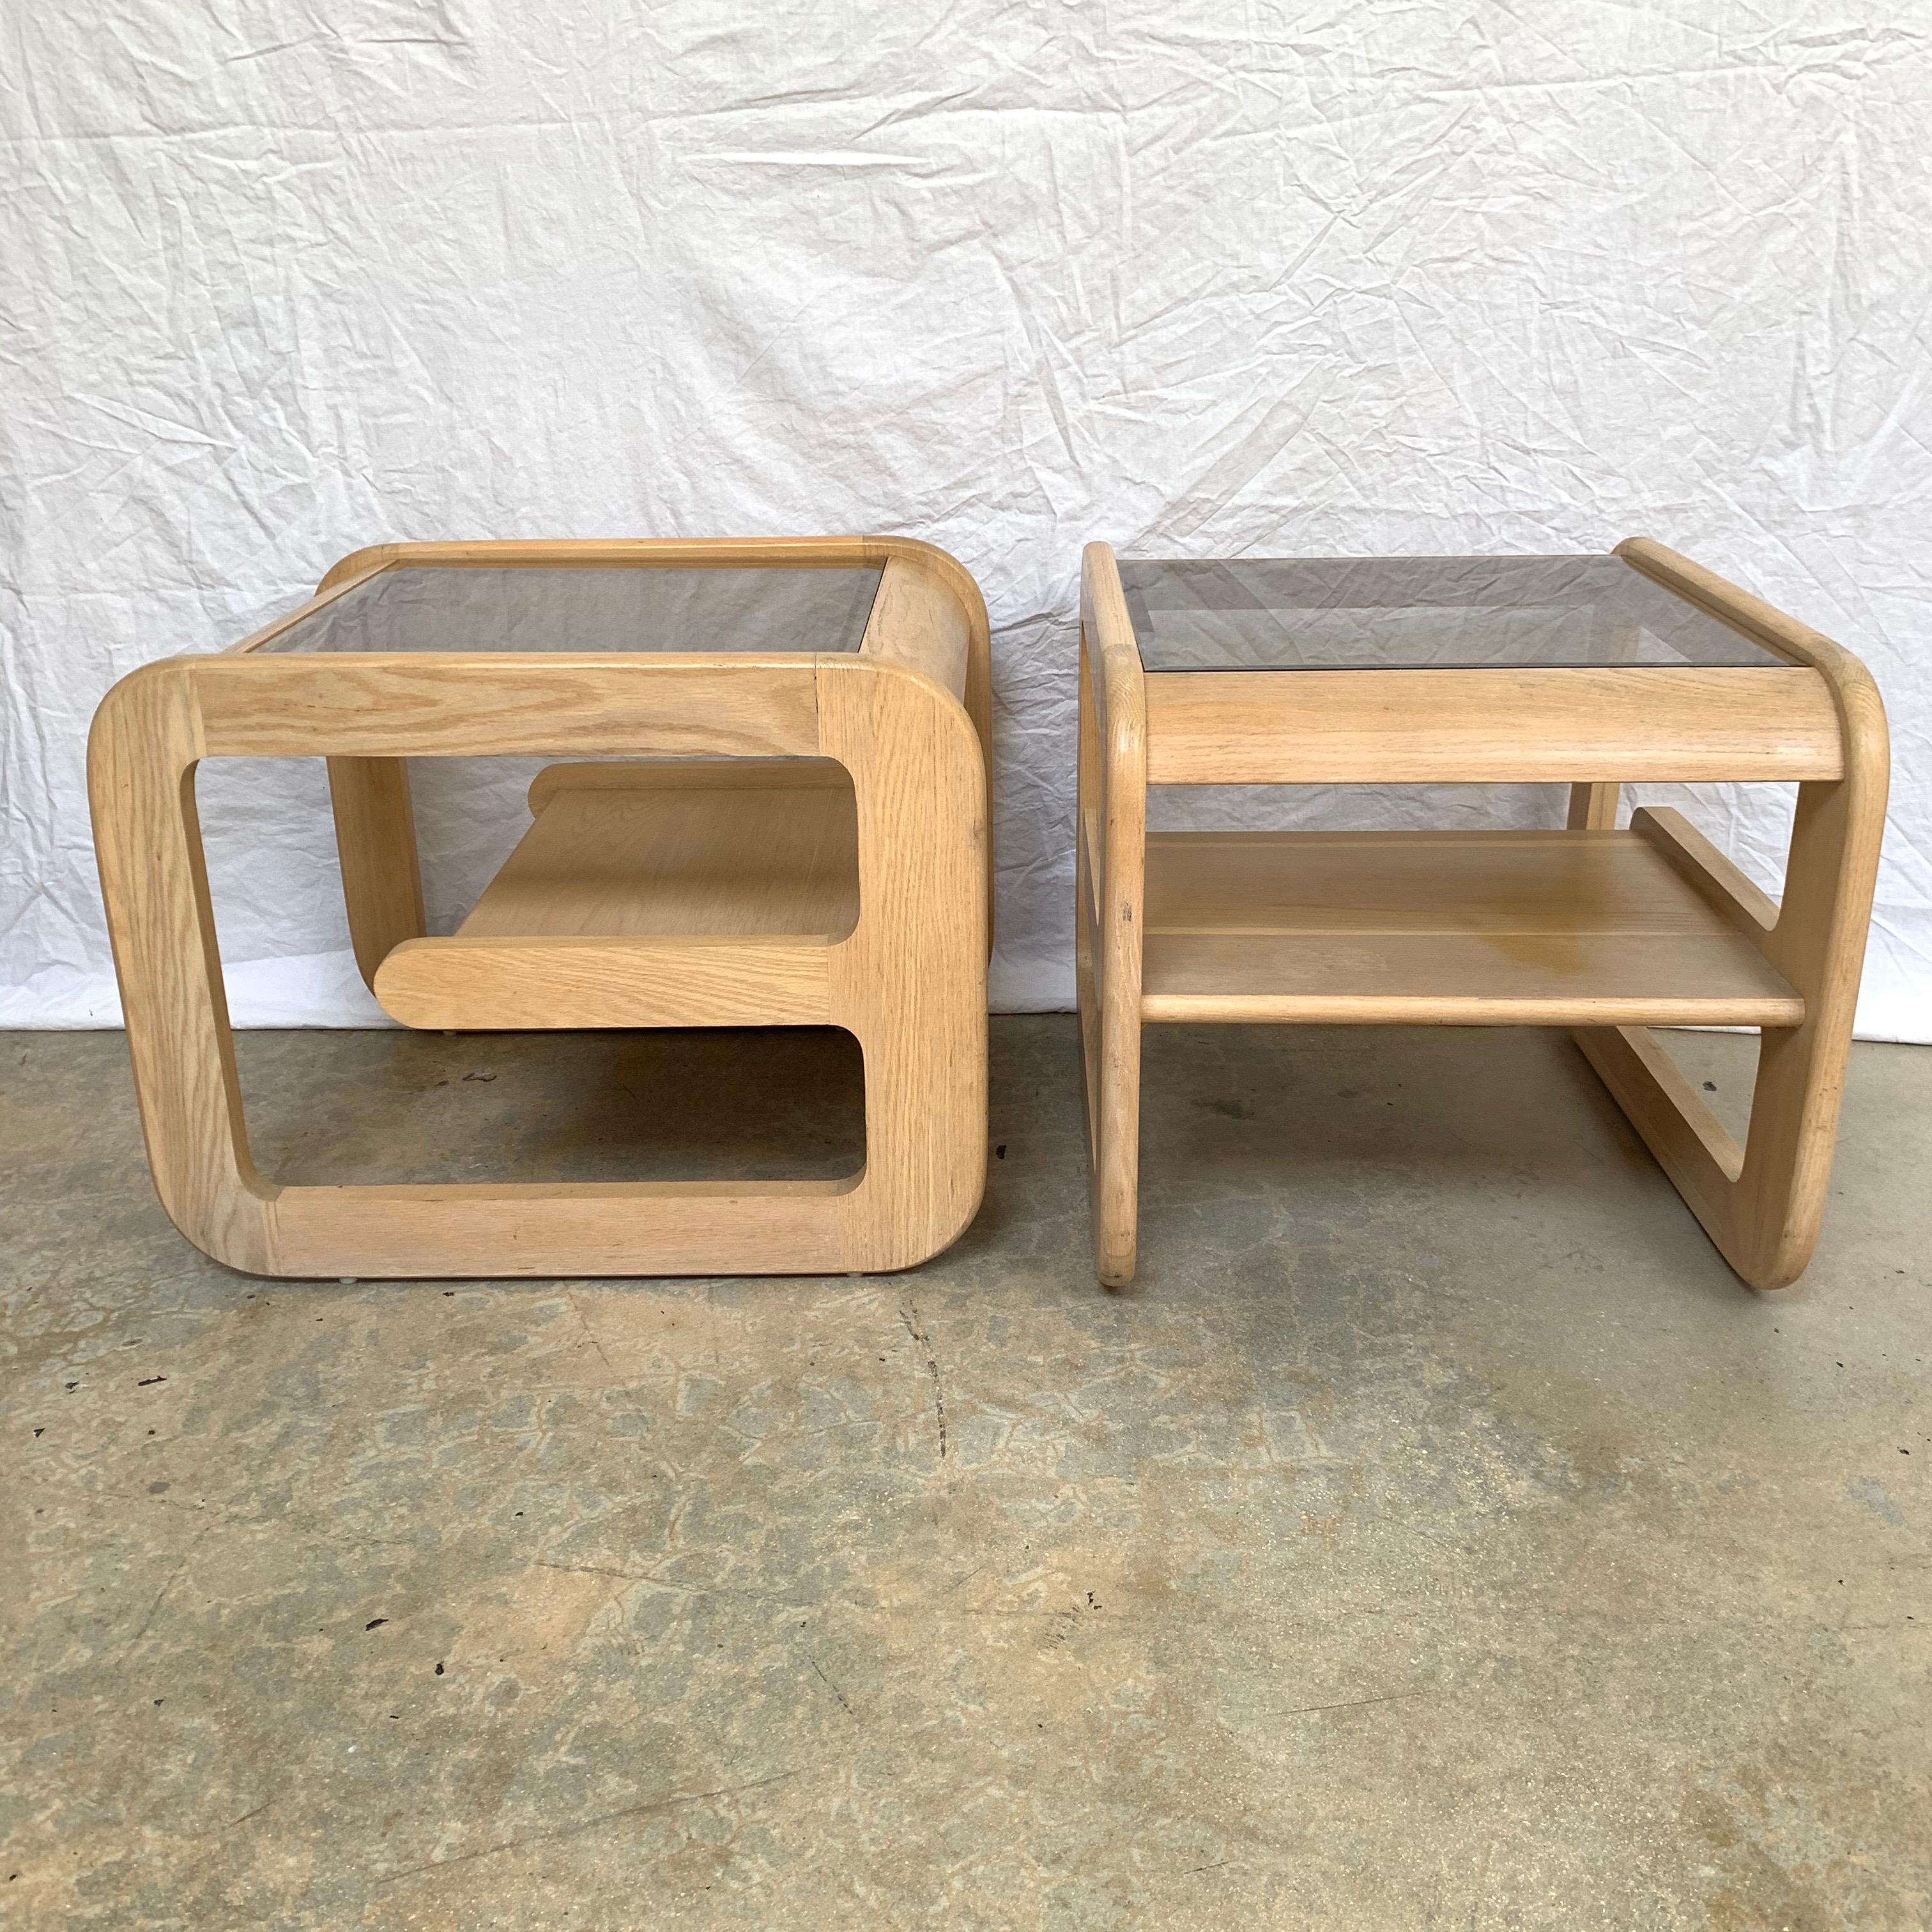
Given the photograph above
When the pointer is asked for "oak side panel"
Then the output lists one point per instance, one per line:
(1765, 1212)
(141, 757)
(930, 616)
(910, 982)
(946, 568)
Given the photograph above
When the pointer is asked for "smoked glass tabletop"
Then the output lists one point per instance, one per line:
(616, 607)
(1418, 614)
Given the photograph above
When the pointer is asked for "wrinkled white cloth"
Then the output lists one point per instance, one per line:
(283, 277)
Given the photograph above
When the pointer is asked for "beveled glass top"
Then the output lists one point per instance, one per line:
(588, 607)
(1417, 613)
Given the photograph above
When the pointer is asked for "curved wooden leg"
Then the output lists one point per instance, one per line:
(147, 837)
(1762, 1204)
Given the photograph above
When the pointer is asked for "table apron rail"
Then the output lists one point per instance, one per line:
(1576, 726)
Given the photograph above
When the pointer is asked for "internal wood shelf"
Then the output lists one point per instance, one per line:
(720, 848)
(1516, 929)
(675, 893)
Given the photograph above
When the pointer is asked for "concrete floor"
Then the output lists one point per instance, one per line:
(1436, 1535)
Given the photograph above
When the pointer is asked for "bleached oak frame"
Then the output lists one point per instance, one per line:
(906, 716)
(1625, 930)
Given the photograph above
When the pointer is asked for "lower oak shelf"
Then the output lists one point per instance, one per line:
(720, 846)
(1521, 928)
(665, 893)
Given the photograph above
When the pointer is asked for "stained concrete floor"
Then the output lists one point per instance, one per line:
(1436, 1535)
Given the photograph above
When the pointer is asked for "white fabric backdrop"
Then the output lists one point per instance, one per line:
(1290, 277)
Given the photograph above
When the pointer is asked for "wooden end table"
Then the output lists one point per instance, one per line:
(783, 822)
(1591, 670)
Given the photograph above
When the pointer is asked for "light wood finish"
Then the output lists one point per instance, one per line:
(1743, 904)
(470, 704)
(696, 856)
(375, 845)
(147, 842)
(909, 981)
(1622, 930)
(632, 775)
(1763, 1207)
(617, 1228)
(907, 978)
(1692, 1145)
(629, 554)
(938, 569)
(1576, 725)
(1593, 808)
(1110, 891)
(1448, 979)
(909, 625)
(1509, 887)
(689, 847)
(537, 984)
(1524, 928)
(928, 617)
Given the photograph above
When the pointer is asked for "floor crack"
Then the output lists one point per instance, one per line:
(909, 1315)
(833, 1688)
(161, 1595)
(590, 1334)
(1346, 1704)
(664, 1803)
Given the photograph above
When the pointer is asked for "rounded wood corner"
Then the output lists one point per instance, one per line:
(241, 1236)
(387, 982)
(1780, 1277)
(370, 556)
(140, 686)
(920, 688)
(1866, 730)
(146, 716)
(929, 1242)
(942, 564)
(1855, 692)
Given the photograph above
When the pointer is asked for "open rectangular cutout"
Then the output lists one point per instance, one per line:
(340, 1109)
(753, 1102)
